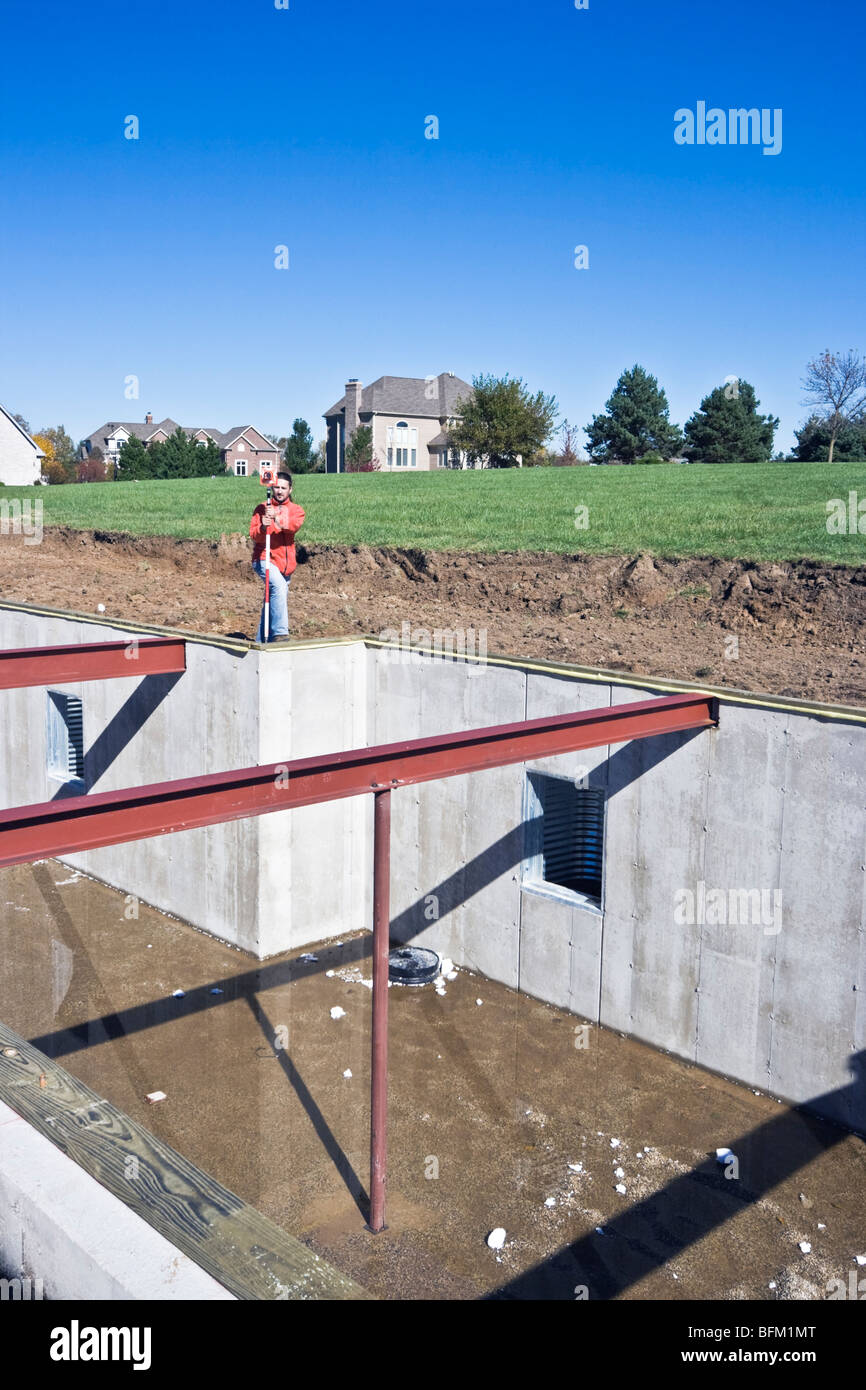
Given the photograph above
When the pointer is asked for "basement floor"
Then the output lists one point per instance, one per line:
(504, 1112)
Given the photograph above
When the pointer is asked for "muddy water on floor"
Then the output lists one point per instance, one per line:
(502, 1113)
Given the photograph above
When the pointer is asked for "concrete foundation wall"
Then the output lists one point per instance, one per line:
(767, 989)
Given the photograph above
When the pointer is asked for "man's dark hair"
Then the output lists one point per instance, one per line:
(284, 473)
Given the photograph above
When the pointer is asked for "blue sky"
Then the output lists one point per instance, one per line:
(305, 127)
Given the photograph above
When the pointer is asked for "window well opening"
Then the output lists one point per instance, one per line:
(64, 741)
(565, 833)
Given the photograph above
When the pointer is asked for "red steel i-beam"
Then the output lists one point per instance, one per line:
(91, 661)
(78, 823)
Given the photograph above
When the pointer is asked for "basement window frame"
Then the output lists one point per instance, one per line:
(533, 880)
(64, 740)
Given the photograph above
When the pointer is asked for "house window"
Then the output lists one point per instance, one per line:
(240, 446)
(64, 737)
(240, 468)
(405, 440)
(565, 839)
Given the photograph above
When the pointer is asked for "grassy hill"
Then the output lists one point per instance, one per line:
(772, 511)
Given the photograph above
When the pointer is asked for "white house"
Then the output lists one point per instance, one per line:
(19, 454)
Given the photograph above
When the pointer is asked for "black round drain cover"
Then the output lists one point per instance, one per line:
(412, 965)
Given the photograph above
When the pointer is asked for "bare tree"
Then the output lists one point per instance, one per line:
(570, 455)
(836, 383)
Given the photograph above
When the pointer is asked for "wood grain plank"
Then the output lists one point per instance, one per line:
(244, 1251)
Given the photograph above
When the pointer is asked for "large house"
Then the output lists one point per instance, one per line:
(19, 454)
(409, 416)
(243, 449)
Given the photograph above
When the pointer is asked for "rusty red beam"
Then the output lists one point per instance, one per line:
(91, 661)
(379, 1046)
(110, 818)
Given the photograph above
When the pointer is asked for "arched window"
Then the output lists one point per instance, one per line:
(402, 445)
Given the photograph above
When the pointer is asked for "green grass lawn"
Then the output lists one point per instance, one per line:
(772, 511)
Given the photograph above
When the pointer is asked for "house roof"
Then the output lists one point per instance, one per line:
(407, 395)
(40, 453)
(135, 427)
(144, 432)
(439, 441)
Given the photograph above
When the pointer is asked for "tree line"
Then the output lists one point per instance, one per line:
(176, 457)
(503, 424)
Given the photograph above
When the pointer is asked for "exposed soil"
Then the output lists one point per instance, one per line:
(798, 627)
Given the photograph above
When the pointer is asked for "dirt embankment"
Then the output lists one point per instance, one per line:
(793, 629)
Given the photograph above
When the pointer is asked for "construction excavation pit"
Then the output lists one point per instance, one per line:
(334, 975)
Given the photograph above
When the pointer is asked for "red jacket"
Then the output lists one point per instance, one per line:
(290, 519)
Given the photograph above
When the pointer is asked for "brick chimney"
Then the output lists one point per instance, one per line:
(353, 406)
(148, 419)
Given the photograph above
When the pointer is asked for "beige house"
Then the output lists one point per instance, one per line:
(20, 456)
(409, 416)
(243, 449)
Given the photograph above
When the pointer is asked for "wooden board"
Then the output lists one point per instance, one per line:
(238, 1246)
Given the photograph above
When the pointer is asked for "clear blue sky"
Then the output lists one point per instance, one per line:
(409, 256)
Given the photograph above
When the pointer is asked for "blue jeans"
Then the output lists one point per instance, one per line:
(278, 620)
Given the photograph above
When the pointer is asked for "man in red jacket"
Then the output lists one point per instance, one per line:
(281, 518)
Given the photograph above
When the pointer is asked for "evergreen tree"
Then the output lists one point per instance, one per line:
(135, 461)
(813, 440)
(359, 451)
(299, 451)
(728, 429)
(636, 423)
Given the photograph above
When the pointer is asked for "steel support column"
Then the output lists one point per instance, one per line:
(379, 1057)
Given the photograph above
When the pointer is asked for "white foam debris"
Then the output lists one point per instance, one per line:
(805, 1246)
(724, 1156)
(575, 1167)
(347, 1074)
(479, 1001)
(178, 994)
(309, 958)
(62, 882)
(550, 1201)
(822, 1227)
(619, 1172)
(338, 943)
(329, 974)
(620, 1188)
(600, 1231)
(100, 607)
(496, 1239)
(614, 1143)
(772, 1284)
(452, 975)
(446, 965)
(639, 1153)
(337, 1012)
(860, 1259)
(215, 991)
(154, 1096)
